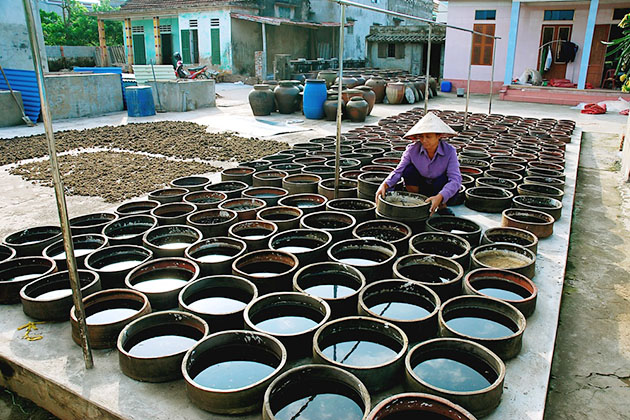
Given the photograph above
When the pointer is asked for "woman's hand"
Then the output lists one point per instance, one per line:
(436, 202)
(381, 191)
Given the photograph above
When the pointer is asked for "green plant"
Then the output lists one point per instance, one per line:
(76, 27)
(622, 45)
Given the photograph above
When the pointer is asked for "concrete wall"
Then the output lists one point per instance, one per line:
(458, 43)
(203, 32)
(411, 62)
(354, 45)
(15, 46)
(246, 38)
(11, 114)
(184, 96)
(283, 40)
(76, 95)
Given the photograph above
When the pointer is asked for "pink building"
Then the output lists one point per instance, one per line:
(532, 31)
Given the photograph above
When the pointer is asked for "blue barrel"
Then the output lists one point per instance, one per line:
(445, 86)
(140, 101)
(314, 98)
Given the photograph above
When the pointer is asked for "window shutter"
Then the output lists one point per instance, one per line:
(382, 50)
(482, 46)
(185, 39)
(400, 51)
(215, 46)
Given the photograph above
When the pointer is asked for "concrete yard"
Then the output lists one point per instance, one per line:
(589, 378)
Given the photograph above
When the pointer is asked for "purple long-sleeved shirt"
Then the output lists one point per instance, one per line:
(444, 161)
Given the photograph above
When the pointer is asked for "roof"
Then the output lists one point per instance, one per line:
(407, 37)
(284, 21)
(160, 7)
(142, 5)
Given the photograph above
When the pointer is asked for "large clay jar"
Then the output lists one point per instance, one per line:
(412, 86)
(369, 96)
(377, 84)
(261, 100)
(395, 92)
(330, 108)
(357, 109)
(287, 96)
(347, 81)
(433, 85)
(346, 94)
(329, 76)
(360, 80)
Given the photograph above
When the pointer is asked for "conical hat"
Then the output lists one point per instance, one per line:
(430, 123)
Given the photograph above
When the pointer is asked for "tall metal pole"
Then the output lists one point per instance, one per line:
(494, 49)
(468, 84)
(342, 20)
(426, 84)
(58, 184)
(264, 58)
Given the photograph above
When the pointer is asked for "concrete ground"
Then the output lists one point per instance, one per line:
(591, 373)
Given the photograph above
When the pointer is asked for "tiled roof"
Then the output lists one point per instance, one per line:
(408, 37)
(141, 5)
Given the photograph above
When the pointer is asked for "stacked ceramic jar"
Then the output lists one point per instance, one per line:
(266, 269)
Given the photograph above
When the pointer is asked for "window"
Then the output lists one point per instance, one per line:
(214, 22)
(284, 11)
(165, 29)
(482, 45)
(485, 14)
(391, 50)
(558, 15)
(192, 23)
(619, 14)
(137, 29)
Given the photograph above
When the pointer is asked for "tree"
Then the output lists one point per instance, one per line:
(76, 27)
(622, 45)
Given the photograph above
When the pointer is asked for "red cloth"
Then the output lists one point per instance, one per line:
(566, 83)
(594, 109)
(624, 112)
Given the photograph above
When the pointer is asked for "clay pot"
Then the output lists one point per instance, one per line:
(329, 76)
(287, 97)
(330, 108)
(261, 100)
(347, 81)
(369, 96)
(378, 85)
(357, 109)
(347, 94)
(395, 92)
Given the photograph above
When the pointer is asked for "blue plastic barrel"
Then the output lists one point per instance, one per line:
(140, 101)
(314, 98)
(446, 86)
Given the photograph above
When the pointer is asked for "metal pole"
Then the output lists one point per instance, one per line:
(264, 59)
(342, 20)
(411, 17)
(58, 184)
(494, 49)
(426, 82)
(468, 85)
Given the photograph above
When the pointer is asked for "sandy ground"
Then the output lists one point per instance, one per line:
(591, 371)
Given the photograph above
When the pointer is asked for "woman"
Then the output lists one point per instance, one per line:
(428, 166)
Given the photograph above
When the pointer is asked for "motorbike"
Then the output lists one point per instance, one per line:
(199, 72)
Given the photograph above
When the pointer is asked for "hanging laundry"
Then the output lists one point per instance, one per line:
(568, 51)
(548, 60)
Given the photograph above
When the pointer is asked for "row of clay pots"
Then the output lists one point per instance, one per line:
(285, 98)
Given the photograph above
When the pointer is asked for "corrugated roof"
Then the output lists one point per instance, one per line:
(400, 38)
(25, 82)
(284, 21)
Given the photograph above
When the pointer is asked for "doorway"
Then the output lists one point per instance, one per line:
(139, 52)
(598, 56)
(167, 48)
(551, 37)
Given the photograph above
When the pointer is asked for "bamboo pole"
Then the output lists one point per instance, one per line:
(342, 19)
(58, 185)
